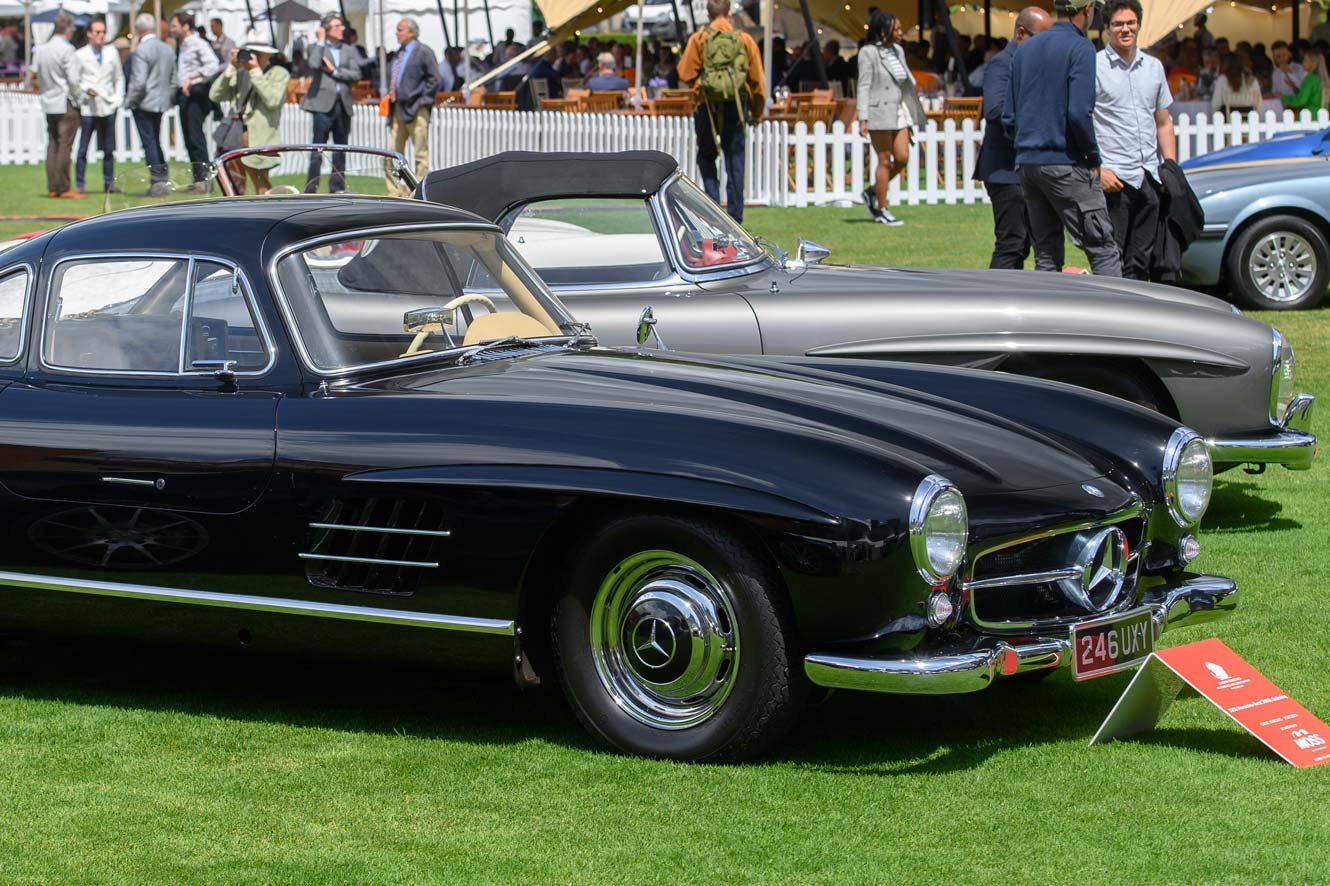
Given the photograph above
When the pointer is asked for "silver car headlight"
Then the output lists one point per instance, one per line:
(939, 528)
(1281, 384)
(1188, 476)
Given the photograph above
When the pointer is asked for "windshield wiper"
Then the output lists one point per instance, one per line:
(467, 356)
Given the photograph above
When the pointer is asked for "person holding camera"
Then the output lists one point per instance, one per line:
(257, 89)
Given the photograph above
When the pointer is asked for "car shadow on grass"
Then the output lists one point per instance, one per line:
(1242, 506)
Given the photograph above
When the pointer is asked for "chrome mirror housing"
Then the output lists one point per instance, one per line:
(646, 327)
(810, 253)
(427, 319)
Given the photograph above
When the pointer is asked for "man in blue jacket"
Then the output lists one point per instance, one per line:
(1049, 114)
(996, 165)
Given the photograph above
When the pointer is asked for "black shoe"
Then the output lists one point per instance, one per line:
(884, 217)
(870, 201)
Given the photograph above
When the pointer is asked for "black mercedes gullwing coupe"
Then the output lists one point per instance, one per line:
(345, 421)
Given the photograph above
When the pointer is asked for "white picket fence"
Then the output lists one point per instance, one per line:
(785, 166)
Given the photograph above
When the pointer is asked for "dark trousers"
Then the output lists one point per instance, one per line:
(104, 129)
(149, 126)
(60, 132)
(194, 109)
(732, 140)
(1011, 236)
(1135, 215)
(1069, 198)
(336, 123)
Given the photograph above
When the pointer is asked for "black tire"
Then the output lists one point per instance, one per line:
(617, 613)
(1125, 384)
(1280, 243)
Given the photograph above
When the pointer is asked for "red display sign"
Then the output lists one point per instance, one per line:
(1232, 685)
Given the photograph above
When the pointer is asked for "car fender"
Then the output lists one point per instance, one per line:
(1273, 204)
(997, 346)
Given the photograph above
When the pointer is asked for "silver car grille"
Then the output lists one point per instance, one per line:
(1019, 585)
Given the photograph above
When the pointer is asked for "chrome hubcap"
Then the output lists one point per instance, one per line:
(1282, 266)
(665, 639)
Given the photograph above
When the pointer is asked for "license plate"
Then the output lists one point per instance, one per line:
(1111, 644)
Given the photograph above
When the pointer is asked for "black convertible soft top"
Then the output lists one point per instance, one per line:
(492, 186)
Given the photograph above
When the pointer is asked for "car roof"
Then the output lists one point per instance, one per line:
(234, 226)
(494, 185)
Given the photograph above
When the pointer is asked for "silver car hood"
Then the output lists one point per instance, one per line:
(1212, 180)
(1030, 288)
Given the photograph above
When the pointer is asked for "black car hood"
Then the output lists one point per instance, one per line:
(968, 282)
(705, 415)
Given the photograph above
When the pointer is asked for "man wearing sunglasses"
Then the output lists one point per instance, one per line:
(1134, 130)
(102, 83)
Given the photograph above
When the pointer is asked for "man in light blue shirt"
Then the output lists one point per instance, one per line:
(1134, 130)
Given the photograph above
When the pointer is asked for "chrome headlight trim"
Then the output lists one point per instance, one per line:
(931, 490)
(1182, 445)
(1281, 377)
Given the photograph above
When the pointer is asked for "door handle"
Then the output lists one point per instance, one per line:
(158, 484)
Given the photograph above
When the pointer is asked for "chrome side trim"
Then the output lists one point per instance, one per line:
(387, 530)
(970, 667)
(371, 560)
(279, 605)
(159, 483)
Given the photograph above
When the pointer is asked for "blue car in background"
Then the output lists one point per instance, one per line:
(1285, 145)
(1267, 221)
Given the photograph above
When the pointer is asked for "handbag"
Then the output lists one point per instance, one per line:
(909, 95)
(229, 135)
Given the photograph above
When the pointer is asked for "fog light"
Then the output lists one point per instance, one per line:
(1188, 549)
(940, 608)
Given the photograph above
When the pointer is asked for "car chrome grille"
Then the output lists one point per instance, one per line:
(1014, 587)
(376, 546)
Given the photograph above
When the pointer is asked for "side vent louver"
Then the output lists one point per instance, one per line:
(376, 546)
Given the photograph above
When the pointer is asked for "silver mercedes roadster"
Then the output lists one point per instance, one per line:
(614, 234)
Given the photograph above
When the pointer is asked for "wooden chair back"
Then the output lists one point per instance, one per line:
(449, 97)
(499, 101)
(815, 112)
(962, 108)
(672, 107)
(601, 102)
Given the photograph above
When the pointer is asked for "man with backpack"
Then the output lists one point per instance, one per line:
(725, 67)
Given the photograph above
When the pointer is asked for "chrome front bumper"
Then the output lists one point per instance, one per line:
(947, 671)
(1291, 444)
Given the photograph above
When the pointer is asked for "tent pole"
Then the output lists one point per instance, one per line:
(637, 66)
(692, 16)
(813, 45)
(988, 19)
(382, 53)
(768, 14)
(1297, 25)
(443, 20)
(466, 48)
(249, 10)
(489, 25)
(678, 22)
(457, 29)
(272, 29)
(27, 43)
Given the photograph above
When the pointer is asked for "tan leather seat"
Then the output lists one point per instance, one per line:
(487, 327)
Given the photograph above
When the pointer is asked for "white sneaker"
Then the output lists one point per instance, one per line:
(884, 217)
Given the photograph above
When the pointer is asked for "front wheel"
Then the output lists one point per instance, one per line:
(673, 639)
(1280, 263)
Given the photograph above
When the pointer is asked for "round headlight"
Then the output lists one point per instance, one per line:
(1188, 476)
(939, 528)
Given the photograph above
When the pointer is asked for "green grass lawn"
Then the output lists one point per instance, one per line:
(128, 764)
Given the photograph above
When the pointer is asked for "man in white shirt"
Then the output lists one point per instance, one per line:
(1134, 129)
(102, 82)
(1287, 75)
(58, 73)
(196, 66)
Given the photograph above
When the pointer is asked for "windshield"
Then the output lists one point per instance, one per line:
(706, 237)
(357, 303)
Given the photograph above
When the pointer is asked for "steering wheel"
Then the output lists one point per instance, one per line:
(468, 299)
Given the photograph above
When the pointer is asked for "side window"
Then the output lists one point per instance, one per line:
(589, 241)
(221, 323)
(13, 302)
(119, 315)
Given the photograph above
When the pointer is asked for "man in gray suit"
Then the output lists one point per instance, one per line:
(151, 92)
(58, 73)
(335, 68)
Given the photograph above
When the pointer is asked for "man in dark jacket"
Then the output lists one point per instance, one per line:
(996, 165)
(413, 80)
(1049, 115)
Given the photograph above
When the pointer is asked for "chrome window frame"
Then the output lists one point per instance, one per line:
(738, 269)
(28, 290)
(189, 258)
(351, 234)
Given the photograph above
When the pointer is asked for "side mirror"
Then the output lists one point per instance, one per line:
(646, 327)
(811, 253)
(427, 319)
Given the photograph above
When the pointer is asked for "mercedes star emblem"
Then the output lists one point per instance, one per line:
(1102, 561)
(653, 642)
